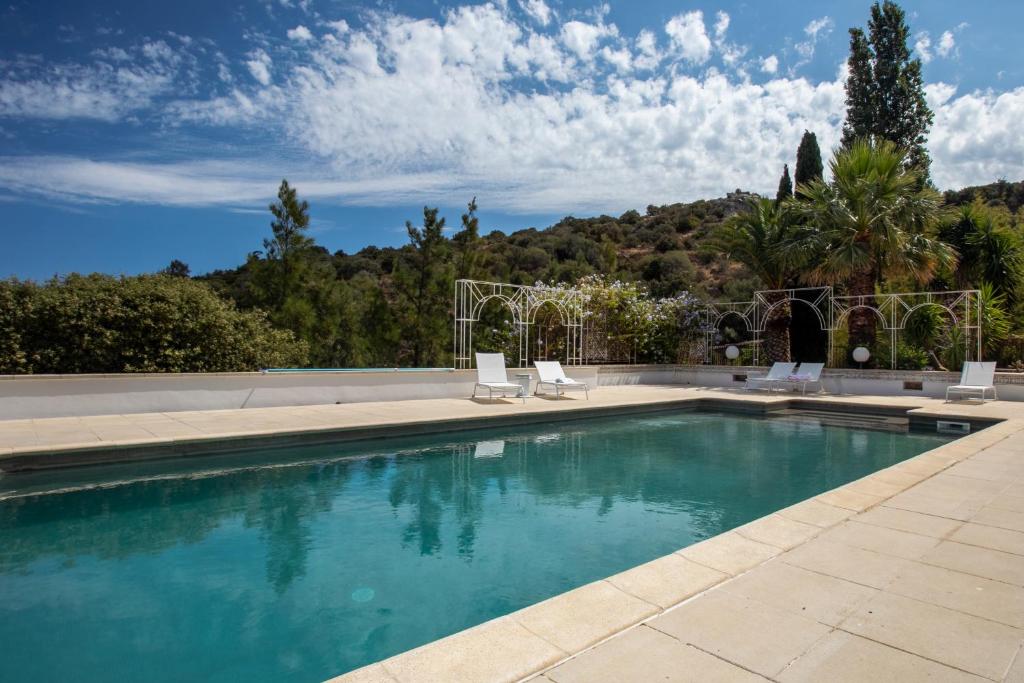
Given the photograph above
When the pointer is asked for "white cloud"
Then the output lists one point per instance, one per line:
(946, 44)
(923, 47)
(582, 38)
(945, 47)
(721, 24)
(538, 10)
(259, 66)
(647, 56)
(118, 83)
(299, 33)
(815, 30)
(482, 103)
(689, 36)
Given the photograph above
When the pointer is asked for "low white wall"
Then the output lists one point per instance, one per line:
(834, 381)
(31, 396)
(34, 396)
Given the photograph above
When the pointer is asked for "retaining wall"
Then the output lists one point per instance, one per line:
(32, 396)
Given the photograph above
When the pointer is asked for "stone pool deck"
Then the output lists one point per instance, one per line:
(915, 572)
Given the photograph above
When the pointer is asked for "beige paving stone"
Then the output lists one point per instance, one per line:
(1016, 672)
(946, 484)
(643, 654)
(881, 540)
(374, 673)
(817, 513)
(498, 650)
(995, 600)
(902, 478)
(583, 616)
(850, 499)
(746, 632)
(873, 486)
(986, 470)
(959, 640)
(971, 559)
(842, 561)
(809, 594)
(845, 658)
(990, 537)
(1000, 517)
(729, 553)
(1006, 501)
(667, 580)
(905, 520)
(923, 465)
(938, 506)
(778, 531)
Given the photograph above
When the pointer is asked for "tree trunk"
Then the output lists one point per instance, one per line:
(862, 322)
(776, 332)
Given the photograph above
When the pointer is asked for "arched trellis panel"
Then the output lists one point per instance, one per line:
(524, 302)
(893, 311)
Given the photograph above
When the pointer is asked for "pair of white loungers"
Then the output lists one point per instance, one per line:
(491, 375)
(788, 375)
(976, 378)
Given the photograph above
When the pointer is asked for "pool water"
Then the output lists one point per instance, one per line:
(308, 562)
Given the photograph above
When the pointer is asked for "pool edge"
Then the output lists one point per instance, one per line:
(483, 652)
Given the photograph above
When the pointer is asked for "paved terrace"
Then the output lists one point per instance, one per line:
(913, 573)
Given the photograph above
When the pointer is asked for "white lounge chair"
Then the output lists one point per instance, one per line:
(490, 374)
(777, 373)
(551, 372)
(807, 373)
(976, 378)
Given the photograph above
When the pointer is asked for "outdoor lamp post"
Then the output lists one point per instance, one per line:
(732, 352)
(861, 355)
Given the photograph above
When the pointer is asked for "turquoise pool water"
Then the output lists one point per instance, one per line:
(309, 562)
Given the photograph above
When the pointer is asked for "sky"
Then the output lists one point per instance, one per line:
(133, 133)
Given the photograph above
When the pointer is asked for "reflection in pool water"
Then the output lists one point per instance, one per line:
(304, 563)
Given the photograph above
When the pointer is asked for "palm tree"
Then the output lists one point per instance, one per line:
(873, 220)
(988, 251)
(756, 238)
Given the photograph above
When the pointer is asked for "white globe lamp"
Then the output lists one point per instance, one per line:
(732, 352)
(861, 355)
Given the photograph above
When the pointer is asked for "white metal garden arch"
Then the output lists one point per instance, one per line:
(893, 312)
(524, 302)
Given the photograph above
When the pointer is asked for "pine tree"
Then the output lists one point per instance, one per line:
(885, 90)
(424, 280)
(467, 242)
(785, 185)
(808, 160)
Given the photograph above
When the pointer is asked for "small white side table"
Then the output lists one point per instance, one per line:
(524, 382)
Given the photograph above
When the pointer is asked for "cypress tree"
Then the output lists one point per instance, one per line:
(785, 185)
(808, 160)
(885, 90)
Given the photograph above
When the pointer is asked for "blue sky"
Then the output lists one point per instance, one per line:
(134, 133)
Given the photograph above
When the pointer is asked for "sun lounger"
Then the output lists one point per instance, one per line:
(807, 373)
(777, 373)
(976, 378)
(490, 374)
(551, 373)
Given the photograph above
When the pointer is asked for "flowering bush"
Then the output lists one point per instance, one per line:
(623, 323)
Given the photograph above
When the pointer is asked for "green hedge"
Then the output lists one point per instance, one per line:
(149, 323)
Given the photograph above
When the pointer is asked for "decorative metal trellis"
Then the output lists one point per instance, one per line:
(893, 312)
(524, 302)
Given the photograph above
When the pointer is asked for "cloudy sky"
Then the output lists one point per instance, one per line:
(133, 133)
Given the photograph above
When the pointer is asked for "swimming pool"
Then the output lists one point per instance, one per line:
(299, 564)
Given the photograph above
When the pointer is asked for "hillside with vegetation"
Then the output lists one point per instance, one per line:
(870, 223)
